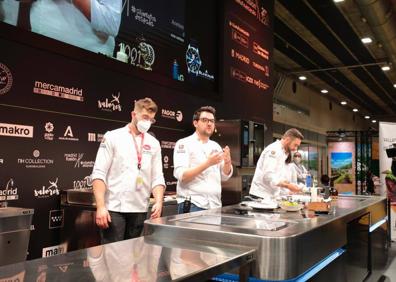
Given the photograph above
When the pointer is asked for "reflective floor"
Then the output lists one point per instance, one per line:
(385, 272)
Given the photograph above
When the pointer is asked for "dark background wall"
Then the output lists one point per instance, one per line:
(57, 147)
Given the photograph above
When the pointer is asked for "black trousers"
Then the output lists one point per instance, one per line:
(123, 226)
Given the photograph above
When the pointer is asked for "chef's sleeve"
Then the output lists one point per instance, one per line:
(104, 158)
(181, 161)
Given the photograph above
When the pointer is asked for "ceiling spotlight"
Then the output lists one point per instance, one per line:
(324, 91)
(355, 110)
(366, 117)
(394, 85)
(338, 1)
(385, 68)
(366, 40)
(302, 77)
(373, 121)
(343, 103)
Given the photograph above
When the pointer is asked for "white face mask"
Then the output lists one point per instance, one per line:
(143, 125)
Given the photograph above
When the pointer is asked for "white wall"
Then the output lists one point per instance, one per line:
(320, 118)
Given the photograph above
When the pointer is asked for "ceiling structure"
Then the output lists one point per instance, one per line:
(321, 40)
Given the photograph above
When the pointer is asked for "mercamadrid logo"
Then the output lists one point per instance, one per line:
(9, 192)
(16, 130)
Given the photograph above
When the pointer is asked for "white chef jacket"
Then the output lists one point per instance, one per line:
(116, 164)
(9, 11)
(270, 170)
(63, 21)
(205, 188)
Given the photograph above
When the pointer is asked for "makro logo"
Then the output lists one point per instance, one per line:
(49, 129)
(16, 130)
(35, 162)
(47, 192)
(58, 91)
(178, 115)
(5, 79)
(9, 192)
(68, 135)
(95, 137)
(54, 250)
(112, 105)
(56, 219)
(85, 183)
(77, 158)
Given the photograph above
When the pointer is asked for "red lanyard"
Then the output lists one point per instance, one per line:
(139, 153)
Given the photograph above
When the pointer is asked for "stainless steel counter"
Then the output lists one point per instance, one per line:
(287, 243)
(140, 259)
(14, 234)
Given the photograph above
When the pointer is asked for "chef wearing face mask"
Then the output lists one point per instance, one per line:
(128, 168)
(299, 172)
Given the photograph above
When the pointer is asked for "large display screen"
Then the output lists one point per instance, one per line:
(176, 39)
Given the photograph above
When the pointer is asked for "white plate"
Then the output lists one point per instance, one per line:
(263, 206)
(291, 208)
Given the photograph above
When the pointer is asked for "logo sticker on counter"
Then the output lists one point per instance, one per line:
(54, 250)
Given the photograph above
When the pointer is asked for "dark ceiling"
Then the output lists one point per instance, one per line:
(321, 39)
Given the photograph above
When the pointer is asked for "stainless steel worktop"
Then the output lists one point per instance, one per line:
(287, 243)
(140, 259)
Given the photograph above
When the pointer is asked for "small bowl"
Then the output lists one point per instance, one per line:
(294, 207)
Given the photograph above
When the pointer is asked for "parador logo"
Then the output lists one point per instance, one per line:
(5, 79)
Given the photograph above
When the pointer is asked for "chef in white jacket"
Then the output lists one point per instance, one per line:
(271, 177)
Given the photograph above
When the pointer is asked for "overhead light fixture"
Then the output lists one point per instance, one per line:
(302, 77)
(385, 68)
(366, 117)
(373, 121)
(324, 91)
(366, 40)
(343, 103)
(338, 1)
(394, 85)
(355, 110)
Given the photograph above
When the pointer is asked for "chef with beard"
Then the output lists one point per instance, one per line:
(271, 178)
(200, 164)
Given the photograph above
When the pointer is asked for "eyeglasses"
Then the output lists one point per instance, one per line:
(152, 120)
(207, 120)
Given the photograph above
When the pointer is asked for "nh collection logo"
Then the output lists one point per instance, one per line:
(9, 192)
(16, 130)
(35, 162)
(56, 219)
(5, 79)
(54, 250)
(49, 129)
(59, 91)
(68, 135)
(77, 159)
(85, 183)
(46, 192)
(95, 137)
(176, 115)
(113, 105)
